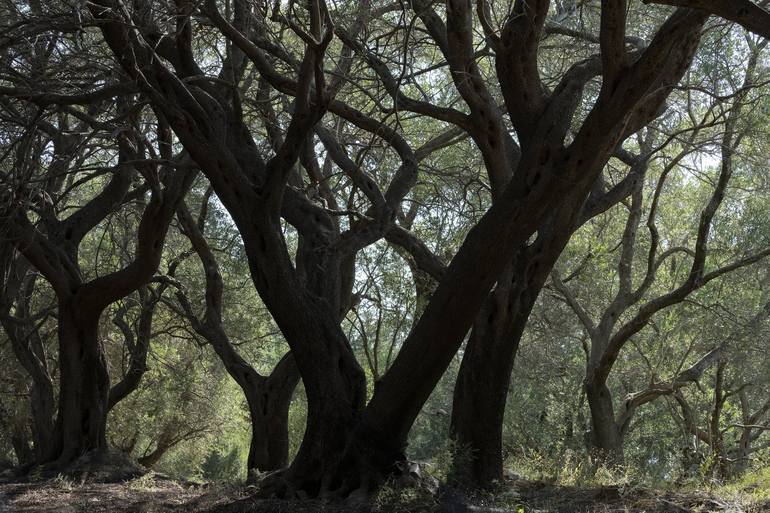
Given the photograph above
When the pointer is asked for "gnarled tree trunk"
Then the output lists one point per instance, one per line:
(482, 384)
(85, 384)
(268, 397)
(347, 446)
(269, 403)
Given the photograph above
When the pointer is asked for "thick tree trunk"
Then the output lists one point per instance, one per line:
(84, 384)
(268, 397)
(334, 382)
(373, 439)
(606, 436)
(482, 384)
(269, 402)
(336, 391)
(479, 401)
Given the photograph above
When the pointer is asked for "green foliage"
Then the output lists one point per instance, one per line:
(223, 466)
(186, 398)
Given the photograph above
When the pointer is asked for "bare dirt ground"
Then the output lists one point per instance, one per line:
(156, 495)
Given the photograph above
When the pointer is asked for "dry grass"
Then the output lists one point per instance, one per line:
(153, 494)
(65, 496)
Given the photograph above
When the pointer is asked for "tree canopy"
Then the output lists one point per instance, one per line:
(316, 242)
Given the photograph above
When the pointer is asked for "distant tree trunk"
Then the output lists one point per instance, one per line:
(170, 436)
(43, 408)
(754, 425)
(720, 464)
(41, 401)
(151, 459)
(137, 342)
(84, 382)
(606, 437)
(29, 351)
(21, 447)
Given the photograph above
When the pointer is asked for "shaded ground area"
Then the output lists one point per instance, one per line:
(150, 494)
(64, 496)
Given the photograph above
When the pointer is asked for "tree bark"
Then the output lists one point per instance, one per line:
(482, 383)
(268, 397)
(481, 390)
(85, 384)
(606, 436)
(269, 403)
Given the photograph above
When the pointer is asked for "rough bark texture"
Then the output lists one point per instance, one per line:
(305, 307)
(84, 383)
(484, 376)
(482, 384)
(269, 409)
(606, 438)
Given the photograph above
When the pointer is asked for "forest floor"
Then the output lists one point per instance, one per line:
(150, 494)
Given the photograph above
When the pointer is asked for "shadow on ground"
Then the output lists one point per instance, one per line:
(154, 494)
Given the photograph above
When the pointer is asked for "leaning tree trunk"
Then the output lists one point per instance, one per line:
(482, 384)
(481, 390)
(589, 156)
(374, 439)
(85, 384)
(479, 400)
